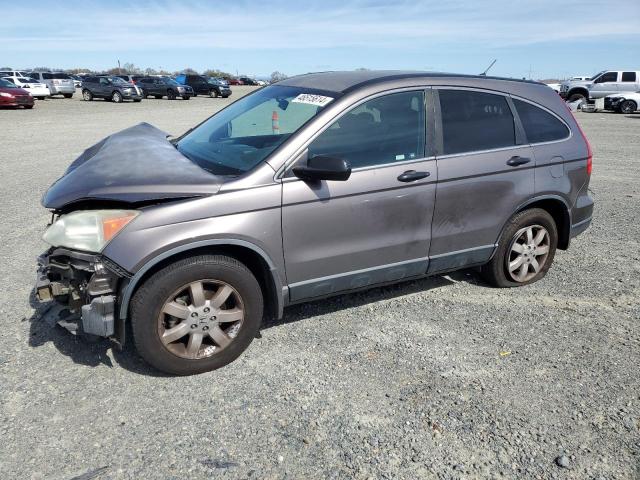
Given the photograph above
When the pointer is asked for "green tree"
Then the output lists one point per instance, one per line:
(277, 76)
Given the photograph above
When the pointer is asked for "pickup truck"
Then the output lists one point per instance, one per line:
(600, 85)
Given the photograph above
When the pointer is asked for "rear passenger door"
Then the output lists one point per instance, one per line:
(629, 82)
(485, 171)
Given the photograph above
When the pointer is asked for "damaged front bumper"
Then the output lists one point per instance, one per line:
(86, 285)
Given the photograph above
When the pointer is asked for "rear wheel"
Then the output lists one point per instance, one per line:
(196, 315)
(628, 106)
(525, 250)
(68, 95)
(87, 95)
(116, 97)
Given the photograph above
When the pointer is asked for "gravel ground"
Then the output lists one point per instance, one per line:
(438, 378)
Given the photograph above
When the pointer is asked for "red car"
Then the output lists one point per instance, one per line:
(235, 81)
(12, 96)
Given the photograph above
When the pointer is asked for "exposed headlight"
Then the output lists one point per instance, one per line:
(5, 94)
(88, 230)
(128, 89)
(181, 89)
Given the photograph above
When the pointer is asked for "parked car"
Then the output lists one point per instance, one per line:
(36, 89)
(131, 78)
(248, 81)
(317, 185)
(110, 88)
(59, 83)
(580, 78)
(235, 81)
(14, 96)
(164, 86)
(13, 73)
(77, 81)
(600, 85)
(202, 86)
(623, 103)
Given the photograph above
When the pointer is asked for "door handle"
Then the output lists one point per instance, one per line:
(412, 175)
(515, 161)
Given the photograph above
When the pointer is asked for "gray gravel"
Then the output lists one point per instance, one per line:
(438, 378)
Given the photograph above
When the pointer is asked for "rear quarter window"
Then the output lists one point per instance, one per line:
(475, 121)
(539, 125)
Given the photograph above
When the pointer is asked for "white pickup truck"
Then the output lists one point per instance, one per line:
(600, 85)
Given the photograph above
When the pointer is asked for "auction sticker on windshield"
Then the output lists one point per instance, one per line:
(319, 100)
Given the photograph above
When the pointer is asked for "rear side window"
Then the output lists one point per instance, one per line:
(628, 76)
(474, 121)
(540, 125)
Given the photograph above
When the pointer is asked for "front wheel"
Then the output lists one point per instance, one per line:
(525, 251)
(575, 97)
(628, 106)
(213, 93)
(171, 95)
(116, 97)
(196, 315)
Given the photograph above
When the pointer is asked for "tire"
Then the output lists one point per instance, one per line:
(68, 95)
(28, 107)
(171, 95)
(186, 97)
(213, 93)
(628, 106)
(497, 271)
(87, 96)
(157, 97)
(171, 287)
(143, 93)
(137, 100)
(574, 97)
(116, 97)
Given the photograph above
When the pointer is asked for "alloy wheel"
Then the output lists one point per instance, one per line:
(200, 319)
(528, 253)
(628, 107)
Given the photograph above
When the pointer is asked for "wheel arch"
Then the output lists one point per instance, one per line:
(582, 90)
(559, 210)
(249, 254)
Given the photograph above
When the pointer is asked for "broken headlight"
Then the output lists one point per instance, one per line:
(88, 230)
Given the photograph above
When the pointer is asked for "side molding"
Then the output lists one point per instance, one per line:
(130, 286)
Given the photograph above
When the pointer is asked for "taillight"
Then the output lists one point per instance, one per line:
(589, 151)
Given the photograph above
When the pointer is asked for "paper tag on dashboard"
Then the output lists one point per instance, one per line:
(311, 99)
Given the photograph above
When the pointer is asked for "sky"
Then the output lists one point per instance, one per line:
(534, 39)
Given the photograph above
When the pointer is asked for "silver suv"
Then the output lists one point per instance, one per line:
(600, 85)
(320, 184)
(59, 83)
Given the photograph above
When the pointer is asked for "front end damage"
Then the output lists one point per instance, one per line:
(85, 288)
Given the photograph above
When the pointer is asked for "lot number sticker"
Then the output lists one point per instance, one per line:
(319, 100)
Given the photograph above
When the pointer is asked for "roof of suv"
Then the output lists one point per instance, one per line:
(346, 81)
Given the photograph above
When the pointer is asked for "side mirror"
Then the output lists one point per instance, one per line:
(323, 168)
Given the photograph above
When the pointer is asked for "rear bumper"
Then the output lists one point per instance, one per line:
(61, 89)
(582, 212)
(86, 284)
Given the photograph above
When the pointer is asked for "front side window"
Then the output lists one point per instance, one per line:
(474, 121)
(6, 84)
(607, 77)
(48, 76)
(243, 135)
(628, 76)
(539, 125)
(383, 130)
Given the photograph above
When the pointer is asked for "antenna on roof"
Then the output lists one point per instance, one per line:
(484, 74)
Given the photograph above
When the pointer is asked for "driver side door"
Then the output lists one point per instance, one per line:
(374, 227)
(605, 84)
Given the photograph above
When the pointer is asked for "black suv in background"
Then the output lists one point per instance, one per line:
(110, 88)
(204, 86)
(163, 86)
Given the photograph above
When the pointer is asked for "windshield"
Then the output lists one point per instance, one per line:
(169, 81)
(6, 84)
(241, 136)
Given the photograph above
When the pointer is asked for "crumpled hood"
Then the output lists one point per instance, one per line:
(137, 164)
